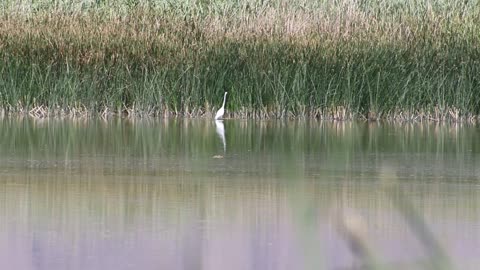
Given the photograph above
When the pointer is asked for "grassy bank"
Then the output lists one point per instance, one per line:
(382, 59)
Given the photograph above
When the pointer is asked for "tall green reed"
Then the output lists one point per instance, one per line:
(402, 60)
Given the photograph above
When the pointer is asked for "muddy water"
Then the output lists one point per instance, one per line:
(195, 194)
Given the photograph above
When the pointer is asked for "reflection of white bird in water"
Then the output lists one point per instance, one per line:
(221, 111)
(221, 133)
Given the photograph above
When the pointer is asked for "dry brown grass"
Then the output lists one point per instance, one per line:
(281, 53)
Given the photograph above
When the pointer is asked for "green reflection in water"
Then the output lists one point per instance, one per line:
(262, 147)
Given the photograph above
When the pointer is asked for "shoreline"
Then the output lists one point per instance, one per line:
(340, 114)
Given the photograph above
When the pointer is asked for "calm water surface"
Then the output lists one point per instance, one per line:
(195, 194)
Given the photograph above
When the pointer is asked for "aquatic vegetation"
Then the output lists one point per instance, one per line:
(401, 60)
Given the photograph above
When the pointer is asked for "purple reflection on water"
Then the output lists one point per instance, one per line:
(223, 246)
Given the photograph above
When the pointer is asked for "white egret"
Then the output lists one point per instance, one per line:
(221, 111)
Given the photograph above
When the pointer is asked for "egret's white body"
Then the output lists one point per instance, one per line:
(221, 111)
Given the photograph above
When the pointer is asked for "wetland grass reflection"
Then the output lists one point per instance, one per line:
(148, 195)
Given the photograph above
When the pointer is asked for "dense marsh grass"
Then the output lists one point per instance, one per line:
(402, 60)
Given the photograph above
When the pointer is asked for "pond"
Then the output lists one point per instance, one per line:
(238, 194)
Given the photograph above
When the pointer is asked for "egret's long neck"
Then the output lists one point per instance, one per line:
(224, 98)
